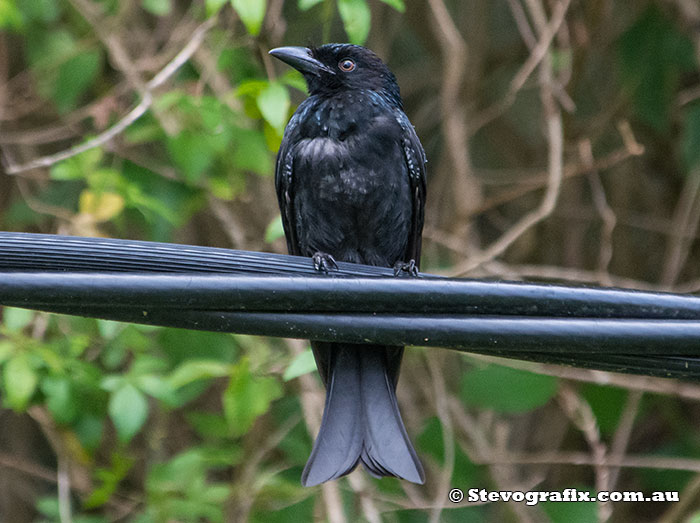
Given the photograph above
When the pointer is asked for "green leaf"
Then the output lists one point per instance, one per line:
(157, 7)
(163, 203)
(184, 479)
(109, 329)
(691, 137)
(144, 130)
(194, 370)
(7, 348)
(19, 380)
(305, 5)
(517, 390)
(75, 76)
(356, 18)
(222, 188)
(396, 4)
(208, 425)
(45, 51)
(89, 428)
(180, 489)
(251, 87)
(607, 403)
(48, 506)
(78, 167)
(44, 11)
(66, 170)
(295, 79)
(252, 13)
(303, 363)
(250, 152)
(570, 511)
(128, 410)
(431, 442)
(10, 16)
(304, 510)
(247, 397)
(109, 480)
(112, 382)
(59, 398)
(273, 102)
(159, 388)
(147, 364)
(214, 6)
(216, 494)
(212, 114)
(182, 346)
(274, 230)
(653, 55)
(192, 153)
(16, 319)
(669, 479)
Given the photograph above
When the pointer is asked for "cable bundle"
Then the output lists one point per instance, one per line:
(278, 295)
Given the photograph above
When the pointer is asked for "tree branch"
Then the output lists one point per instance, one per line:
(555, 138)
(133, 115)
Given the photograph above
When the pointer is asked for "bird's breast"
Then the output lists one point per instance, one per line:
(349, 152)
(334, 170)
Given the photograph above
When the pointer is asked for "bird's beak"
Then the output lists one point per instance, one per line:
(300, 58)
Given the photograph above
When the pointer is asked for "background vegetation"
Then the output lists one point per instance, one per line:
(564, 144)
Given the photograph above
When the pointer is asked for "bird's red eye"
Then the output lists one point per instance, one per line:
(346, 65)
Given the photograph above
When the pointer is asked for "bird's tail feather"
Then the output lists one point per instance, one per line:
(361, 420)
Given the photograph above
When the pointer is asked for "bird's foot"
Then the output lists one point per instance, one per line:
(324, 262)
(406, 268)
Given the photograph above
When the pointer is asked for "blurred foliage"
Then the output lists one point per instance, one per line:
(156, 425)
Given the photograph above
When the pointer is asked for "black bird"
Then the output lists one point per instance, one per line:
(350, 182)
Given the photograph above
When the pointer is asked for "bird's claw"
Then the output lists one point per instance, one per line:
(324, 262)
(408, 268)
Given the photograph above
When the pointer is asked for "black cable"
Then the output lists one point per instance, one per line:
(278, 295)
(332, 293)
(497, 334)
(680, 367)
(48, 252)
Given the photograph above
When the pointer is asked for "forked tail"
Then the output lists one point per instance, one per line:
(361, 419)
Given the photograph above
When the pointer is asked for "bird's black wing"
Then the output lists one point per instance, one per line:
(415, 162)
(284, 182)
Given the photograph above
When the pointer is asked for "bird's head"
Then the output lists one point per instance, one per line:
(341, 67)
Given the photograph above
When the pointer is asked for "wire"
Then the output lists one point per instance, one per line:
(333, 293)
(277, 295)
(47, 252)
